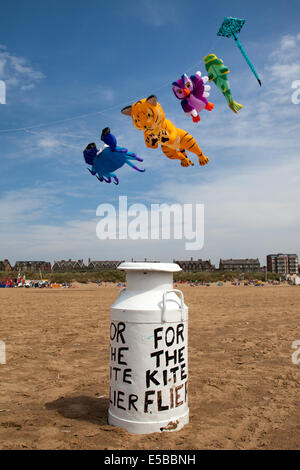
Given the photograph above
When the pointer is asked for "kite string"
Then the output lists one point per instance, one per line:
(58, 142)
(104, 111)
(55, 122)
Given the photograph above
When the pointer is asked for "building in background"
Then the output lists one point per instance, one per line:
(145, 260)
(283, 263)
(69, 266)
(103, 265)
(33, 266)
(5, 265)
(277, 263)
(195, 266)
(247, 265)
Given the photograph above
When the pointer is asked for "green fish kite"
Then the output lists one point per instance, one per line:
(218, 73)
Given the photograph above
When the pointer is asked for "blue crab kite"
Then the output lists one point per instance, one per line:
(109, 159)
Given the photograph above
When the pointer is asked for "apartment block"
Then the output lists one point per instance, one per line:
(247, 265)
(283, 263)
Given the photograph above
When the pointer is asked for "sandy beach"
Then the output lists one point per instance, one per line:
(243, 386)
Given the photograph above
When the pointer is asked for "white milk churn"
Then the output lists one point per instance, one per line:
(148, 351)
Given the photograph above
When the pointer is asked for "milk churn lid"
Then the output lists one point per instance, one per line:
(162, 267)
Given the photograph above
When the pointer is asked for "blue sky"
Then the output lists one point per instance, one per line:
(70, 66)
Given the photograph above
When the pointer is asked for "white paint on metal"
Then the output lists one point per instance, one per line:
(2, 352)
(148, 351)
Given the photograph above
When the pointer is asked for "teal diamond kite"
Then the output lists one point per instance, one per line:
(231, 27)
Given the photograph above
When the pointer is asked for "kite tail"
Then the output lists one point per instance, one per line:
(235, 106)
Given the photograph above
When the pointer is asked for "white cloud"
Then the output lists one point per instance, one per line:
(16, 71)
(28, 87)
(158, 13)
(285, 71)
(48, 143)
(284, 60)
(288, 42)
(25, 206)
(107, 94)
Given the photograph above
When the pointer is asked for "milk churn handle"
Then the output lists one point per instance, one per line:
(121, 291)
(164, 303)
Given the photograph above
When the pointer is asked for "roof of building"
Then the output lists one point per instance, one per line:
(32, 262)
(105, 262)
(283, 254)
(239, 261)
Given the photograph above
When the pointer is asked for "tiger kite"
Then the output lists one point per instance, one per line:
(148, 116)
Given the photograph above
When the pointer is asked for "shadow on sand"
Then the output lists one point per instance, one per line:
(94, 410)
